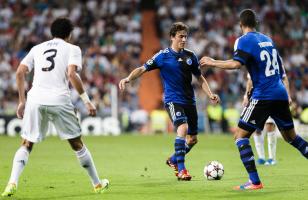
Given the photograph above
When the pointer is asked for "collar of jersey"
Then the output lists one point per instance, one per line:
(56, 38)
(174, 52)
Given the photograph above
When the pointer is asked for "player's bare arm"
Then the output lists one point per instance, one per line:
(223, 64)
(205, 86)
(22, 70)
(136, 73)
(78, 85)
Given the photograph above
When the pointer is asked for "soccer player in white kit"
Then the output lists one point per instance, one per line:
(269, 129)
(55, 64)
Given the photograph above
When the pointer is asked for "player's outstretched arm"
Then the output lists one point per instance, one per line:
(78, 85)
(22, 70)
(205, 86)
(136, 73)
(223, 64)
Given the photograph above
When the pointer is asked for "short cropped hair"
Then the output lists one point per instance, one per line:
(61, 28)
(248, 18)
(177, 26)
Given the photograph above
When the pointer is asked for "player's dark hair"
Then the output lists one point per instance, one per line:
(177, 26)
(248, 18)
(61, 28)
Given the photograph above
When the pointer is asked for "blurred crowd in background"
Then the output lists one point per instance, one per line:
(109, 34)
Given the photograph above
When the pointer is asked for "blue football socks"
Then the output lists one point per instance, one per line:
(187, 149)
(179, 147)
(301, 145)
(248, 160)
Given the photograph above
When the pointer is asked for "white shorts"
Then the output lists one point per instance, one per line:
(37, 118)
(270, 120)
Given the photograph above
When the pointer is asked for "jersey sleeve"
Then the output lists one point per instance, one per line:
(29, 60)
(75, 57)
(240, 52)
(154, 62)
(195, 66)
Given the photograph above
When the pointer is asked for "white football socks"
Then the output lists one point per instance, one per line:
(19, 163)
(259, 144)
(86, 161)
(272, 142)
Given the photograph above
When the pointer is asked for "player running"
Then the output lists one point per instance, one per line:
(55, 63)
(269, 98)
(177, 65)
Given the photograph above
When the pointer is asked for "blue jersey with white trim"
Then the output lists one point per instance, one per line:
(264, 65)
(176, 70)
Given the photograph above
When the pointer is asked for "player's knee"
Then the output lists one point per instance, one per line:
(241, 133)
(182, 129)
(27, 144)
(76, 144)
(288, 135)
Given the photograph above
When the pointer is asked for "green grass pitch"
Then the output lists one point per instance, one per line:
(135, 166)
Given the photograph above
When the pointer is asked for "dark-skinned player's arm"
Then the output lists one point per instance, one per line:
(205, 86)
(136, 73)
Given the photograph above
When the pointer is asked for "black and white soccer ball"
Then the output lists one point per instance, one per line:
(213, 171)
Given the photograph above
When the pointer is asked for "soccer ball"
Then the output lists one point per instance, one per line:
(213, 171)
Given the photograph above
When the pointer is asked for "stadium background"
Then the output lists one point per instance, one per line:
(117, 36)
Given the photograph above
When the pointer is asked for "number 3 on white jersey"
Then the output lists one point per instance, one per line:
(271, 65)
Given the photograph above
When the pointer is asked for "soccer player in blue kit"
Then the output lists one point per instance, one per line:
(269, 98)
(177, 65)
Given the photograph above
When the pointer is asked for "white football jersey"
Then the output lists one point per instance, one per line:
(50, 61)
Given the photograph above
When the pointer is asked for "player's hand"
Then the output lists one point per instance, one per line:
(20, 110)
(245, 101)
(122, 83)
(215, 99)
(206, 61)
(91, 109)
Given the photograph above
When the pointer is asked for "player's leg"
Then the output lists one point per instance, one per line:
(68, 128)
(191, 137)
(242, 142)
(296, 141)
(86, 161)
(283, 118)
(253, 117)
(34, 127)
(179, 119)
(258, 137)
(270, 128)
(19, 162)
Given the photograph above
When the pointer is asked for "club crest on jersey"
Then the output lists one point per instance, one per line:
(189, 61)
(150, 62)
(178, 114)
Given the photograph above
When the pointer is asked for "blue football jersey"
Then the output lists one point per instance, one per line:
(176, 70)
(258, 53)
